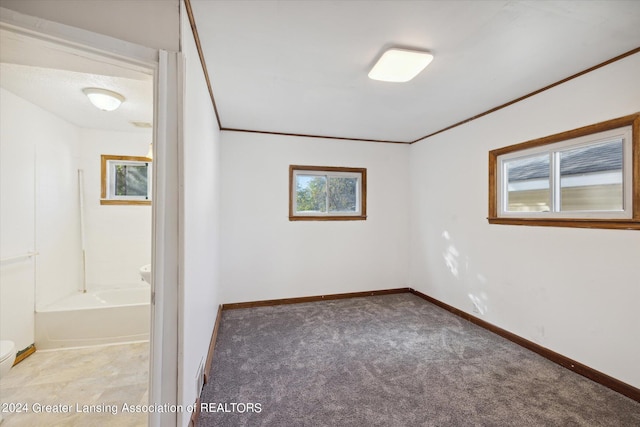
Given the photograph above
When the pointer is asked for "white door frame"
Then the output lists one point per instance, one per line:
(165, 66)
(163, 370)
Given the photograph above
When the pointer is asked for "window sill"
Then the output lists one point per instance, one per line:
(327, 218)
(125, 202)
(619, 224)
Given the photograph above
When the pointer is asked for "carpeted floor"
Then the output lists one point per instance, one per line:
(393, 360)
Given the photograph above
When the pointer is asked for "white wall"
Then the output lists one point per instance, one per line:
(39, 210)
(200, 206)
(574, 291)
(266, 256)
(17, 232)
(117, 237)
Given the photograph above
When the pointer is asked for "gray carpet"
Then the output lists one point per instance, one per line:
(393, 360)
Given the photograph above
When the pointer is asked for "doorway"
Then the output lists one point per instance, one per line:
(31, 52)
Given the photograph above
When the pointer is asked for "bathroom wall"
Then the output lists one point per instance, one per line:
(117, 237)
(39, 211)
(574, 291)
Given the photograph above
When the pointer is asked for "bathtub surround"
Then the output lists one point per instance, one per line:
(118, 236)
(411, 363)
(40, 212)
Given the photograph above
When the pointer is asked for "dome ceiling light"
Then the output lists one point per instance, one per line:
(103, 99)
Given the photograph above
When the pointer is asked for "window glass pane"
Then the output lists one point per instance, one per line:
(311, 193)
(131, 180)
(591, 178)
(342, 194)
(527, 182)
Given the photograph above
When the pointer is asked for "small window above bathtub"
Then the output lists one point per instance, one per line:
(126, 180)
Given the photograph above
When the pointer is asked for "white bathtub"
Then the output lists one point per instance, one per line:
(107, 316)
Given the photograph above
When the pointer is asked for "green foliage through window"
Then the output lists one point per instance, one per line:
(131, 180)
(125, 180)
(314, 193)
(337, 193)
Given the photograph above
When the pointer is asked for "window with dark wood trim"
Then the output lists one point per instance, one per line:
(587, 177)
(327, 193)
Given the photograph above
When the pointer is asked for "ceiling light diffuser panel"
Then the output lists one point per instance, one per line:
(400, 65)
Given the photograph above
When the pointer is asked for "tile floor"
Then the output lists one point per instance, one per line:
(97, 379)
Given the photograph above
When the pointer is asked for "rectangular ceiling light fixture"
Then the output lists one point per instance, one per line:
(400, 65)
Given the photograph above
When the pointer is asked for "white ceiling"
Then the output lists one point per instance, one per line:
(52, 77)
(300, 67)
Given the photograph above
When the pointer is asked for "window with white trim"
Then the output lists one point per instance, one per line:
(327, 193)
(126, 180)
(580, 178)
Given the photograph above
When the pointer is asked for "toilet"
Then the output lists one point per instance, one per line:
(7, 356)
